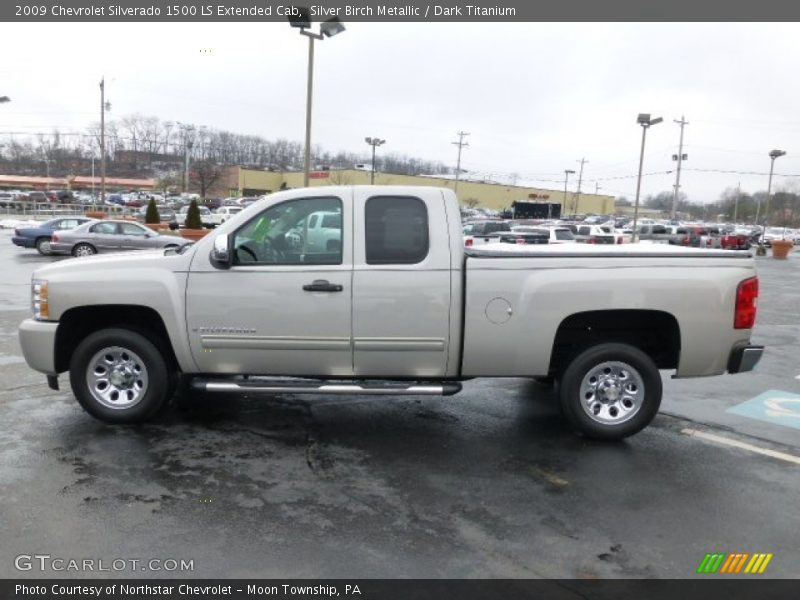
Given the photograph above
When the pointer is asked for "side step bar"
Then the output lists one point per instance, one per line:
(288, 386)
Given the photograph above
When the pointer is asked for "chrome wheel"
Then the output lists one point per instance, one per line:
(116, 377)
(612, 392)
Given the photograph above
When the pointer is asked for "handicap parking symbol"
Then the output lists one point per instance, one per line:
(773, 406)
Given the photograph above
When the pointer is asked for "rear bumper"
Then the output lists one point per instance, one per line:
(38, 342)
(23, 242)
(744, 357)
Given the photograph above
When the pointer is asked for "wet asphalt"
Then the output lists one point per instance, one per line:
(488, 483)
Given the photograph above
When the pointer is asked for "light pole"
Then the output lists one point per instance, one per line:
(772, 155)
(104, 106)
(301, 18)
(645, 121)
(374, 142)
(567, 173)
(187, 132)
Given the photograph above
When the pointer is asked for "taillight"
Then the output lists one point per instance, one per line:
(591, 241)
(520, 241)
(744, 317)
(619, 240)
(468, 242)
(54, 237)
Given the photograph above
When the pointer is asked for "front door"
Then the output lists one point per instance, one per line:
(284, 307)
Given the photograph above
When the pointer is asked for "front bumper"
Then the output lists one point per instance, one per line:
(38, 342)
(744, 357)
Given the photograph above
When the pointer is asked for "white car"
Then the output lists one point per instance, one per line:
(205, 216)
(557, 234)
(223, 213)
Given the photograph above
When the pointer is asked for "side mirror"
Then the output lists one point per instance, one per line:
(221, 256)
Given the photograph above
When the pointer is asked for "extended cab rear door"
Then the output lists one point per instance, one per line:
(401, 283)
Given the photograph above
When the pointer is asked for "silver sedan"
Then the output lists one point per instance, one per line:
(111, 236)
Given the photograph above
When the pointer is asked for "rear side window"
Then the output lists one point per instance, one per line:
(104, 228)
(396, 230)
(564, 234)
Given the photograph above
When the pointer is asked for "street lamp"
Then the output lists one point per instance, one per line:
(374, 142)
(567, 173)
(301, 18)
(772, 155)
(645, 121)
(104, 106)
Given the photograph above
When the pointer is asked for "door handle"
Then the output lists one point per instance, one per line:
(322, 285)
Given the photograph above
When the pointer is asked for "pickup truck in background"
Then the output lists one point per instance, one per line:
(477, 233)
(397, 307)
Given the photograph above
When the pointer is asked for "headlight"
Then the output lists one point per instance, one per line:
(39, 305)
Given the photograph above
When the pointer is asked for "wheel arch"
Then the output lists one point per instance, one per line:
(77, 323)
(654, 332)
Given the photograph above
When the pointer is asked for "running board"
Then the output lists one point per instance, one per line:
(309, 387)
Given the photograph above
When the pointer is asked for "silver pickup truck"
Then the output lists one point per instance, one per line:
(397, 306)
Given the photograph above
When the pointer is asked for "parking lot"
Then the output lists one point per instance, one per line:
(487, 483)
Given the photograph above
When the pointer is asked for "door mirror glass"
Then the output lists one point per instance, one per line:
(220, 253)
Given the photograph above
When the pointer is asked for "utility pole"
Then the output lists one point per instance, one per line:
(680, 157)
(461, 144)
(567, 173)
(577, 196)
(736, 201)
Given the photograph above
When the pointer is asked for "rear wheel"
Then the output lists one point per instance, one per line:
(43, 246)
(83, 249)
(610, 391)
(120, 376)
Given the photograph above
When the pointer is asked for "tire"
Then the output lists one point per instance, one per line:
(610, 391)
(120, 376)
(83, 249)
(43, 246)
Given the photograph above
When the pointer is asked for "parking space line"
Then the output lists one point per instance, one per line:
(742, 445)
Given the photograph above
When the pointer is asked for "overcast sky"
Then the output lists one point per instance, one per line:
(535, 97)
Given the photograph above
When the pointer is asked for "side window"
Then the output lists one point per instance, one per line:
(396, 230)
(659, 229)
(283, 234)
(104, 228)
(131, 229)
(583, 230)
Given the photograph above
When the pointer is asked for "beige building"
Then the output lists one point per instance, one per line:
(238, 181)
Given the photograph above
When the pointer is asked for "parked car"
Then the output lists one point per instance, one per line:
(165, 214)
(224, 213)
(321, 232)
(39, 237)
(596, 234)
(111, 236)
(206, 217)
(38, 197)
(482, 232)
(555, 234)
(523, 237)
(776, 233)
(409, 311)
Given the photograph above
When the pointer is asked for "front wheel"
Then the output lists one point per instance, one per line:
(119, 376)
(610, 391)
